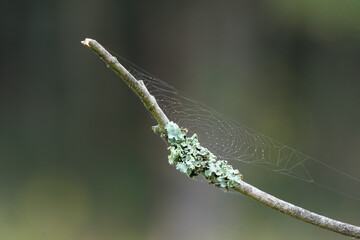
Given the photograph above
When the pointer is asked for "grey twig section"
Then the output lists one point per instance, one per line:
(138, 86)
(298, 212)
(243, 187)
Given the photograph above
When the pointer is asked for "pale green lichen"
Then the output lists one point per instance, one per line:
(193, 159)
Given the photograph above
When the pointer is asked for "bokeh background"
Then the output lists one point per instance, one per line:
(78, 159)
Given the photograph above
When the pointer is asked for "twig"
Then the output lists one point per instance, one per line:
(243, 187)
(298, 212)
(138, 86)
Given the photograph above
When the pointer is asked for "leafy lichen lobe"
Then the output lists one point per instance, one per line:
(193, 159)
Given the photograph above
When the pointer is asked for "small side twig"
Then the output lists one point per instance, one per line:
(287, 208)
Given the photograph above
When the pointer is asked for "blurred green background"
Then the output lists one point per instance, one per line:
(78, 159)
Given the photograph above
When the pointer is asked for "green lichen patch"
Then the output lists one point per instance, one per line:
(193, 159)
(174, 133)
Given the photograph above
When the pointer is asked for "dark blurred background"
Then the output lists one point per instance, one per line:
(78, 159)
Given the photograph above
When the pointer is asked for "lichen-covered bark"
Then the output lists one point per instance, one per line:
(193, 159)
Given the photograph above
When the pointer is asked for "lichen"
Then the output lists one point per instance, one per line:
(191, 158)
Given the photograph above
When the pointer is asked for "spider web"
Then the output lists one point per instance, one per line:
(232, 141)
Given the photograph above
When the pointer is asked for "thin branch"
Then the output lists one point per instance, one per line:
(137, 86)
(298, 212)
(243, 187)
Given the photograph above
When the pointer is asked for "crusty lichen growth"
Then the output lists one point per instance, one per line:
(193, 159)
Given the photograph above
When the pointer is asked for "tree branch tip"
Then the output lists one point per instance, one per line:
(86, 42)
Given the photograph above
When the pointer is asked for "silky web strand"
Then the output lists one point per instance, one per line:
(235, 142)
